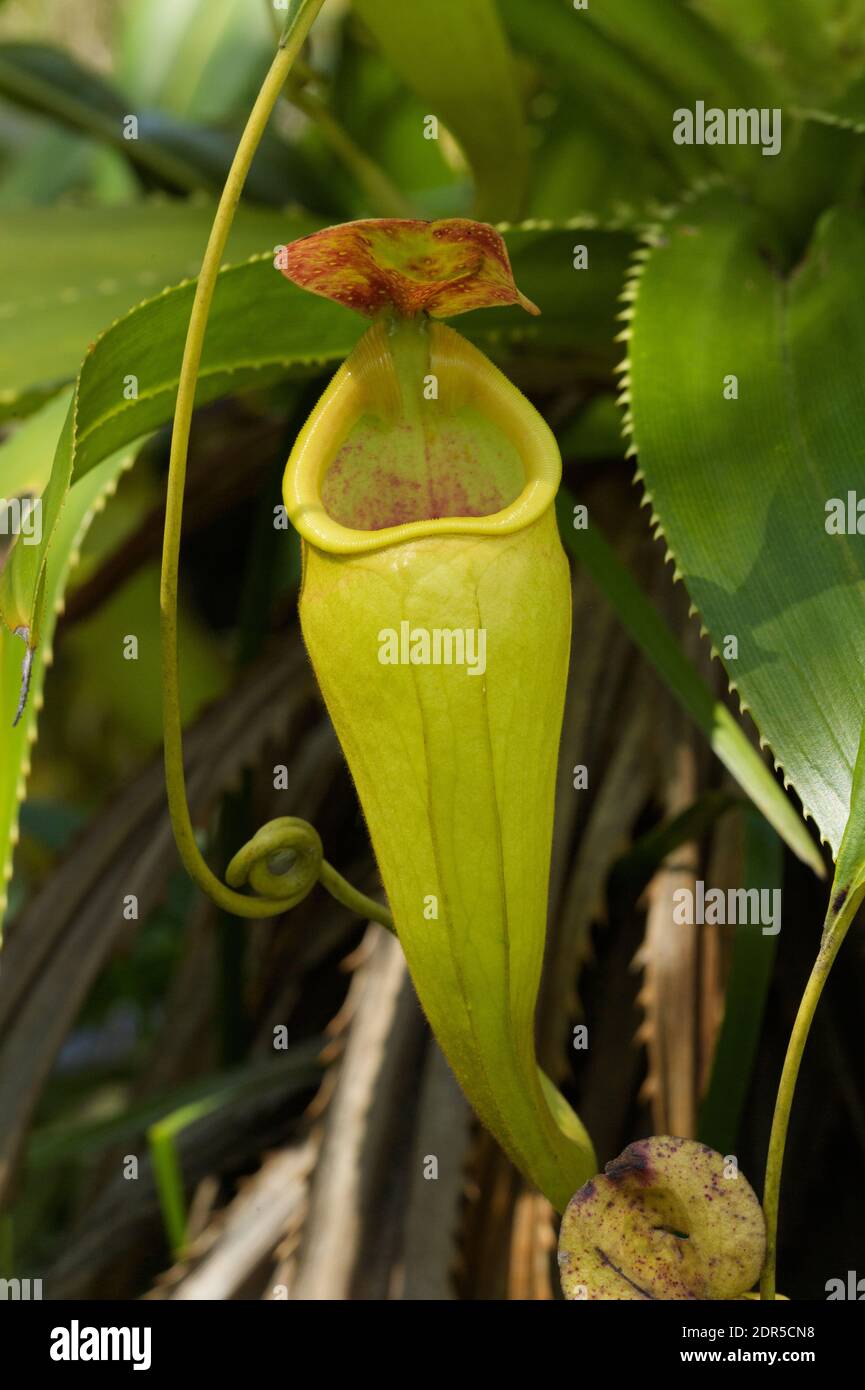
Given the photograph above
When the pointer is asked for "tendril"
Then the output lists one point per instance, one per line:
(284, 860)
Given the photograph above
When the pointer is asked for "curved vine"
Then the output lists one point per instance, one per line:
(284, 860)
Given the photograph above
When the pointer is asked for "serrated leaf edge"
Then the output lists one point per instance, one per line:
(652, 239)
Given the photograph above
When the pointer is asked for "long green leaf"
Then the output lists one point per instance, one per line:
(741, 486)
(694, 60)
(65, 274)
(454, 54)
(613, 85)
(632, 63)
(164, 1135)
(848, 885)
(66, 1139)
(657, 642)
(814, 46)
(262, 328)
(175, 154)
(745, 997)
(25, 463)
(846, 112)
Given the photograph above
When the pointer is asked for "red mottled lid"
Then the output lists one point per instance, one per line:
(440, 268)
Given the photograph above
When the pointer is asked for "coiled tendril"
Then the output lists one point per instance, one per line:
(284, 860)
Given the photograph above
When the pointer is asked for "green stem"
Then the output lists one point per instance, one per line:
(353, 899)
(165, 1158)
(833, 936)
(282, 892)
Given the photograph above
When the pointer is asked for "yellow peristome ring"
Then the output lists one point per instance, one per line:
(454, 361)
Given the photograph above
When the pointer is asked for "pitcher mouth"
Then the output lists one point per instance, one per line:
(367, 385)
